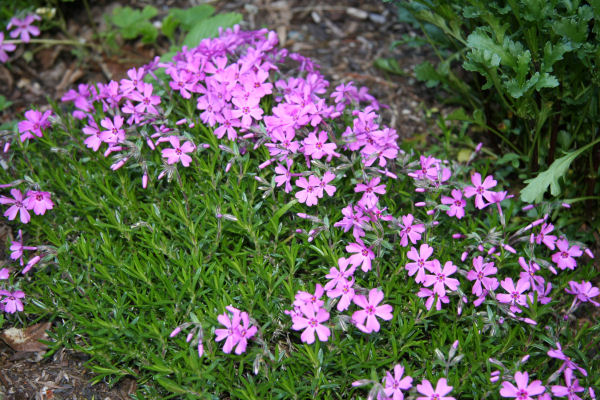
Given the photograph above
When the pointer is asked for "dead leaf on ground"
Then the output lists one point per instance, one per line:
(28, 339)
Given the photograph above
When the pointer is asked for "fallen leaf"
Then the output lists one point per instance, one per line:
(27, 339)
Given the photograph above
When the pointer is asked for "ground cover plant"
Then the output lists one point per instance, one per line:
(231, 224)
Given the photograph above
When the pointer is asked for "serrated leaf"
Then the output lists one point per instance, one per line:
(425, 72)
(552, 54)
(536, 187)
(209, 28)
(546, 81)
(190, 17)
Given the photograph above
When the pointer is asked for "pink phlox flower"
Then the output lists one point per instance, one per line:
(34, 123)
(245, 331)
(38, 201)
(395, 384)
(317, 146)
(524, 390)
(231, 331)
(371, 190)
(17, 248)
(543, 237)
(228, 123)
(94, 139)
(420, 261)
(335, 275)
(255, 81)
(431, 296)
(480, 190)
(584, 291)
(499, 197)
(564, 258)
(247, 109)
(571, 387)
(4, 273)
(283, 143)
(409, 231)
(345, 291)
(310, 299)
(12, 303)
(178, 152)
(114, 133)
(515, 296)
(135, 81)
(23, 27)
(312, 321)
(344, 93)
(211, 108)
(18, 206)
(183, 81)
(428, 170)
(284, 175)
(480, 273)
(147, 101)
(439, 393)
(529, 273)
(439, 277)
(568, 362)
(362, 255)
(457, 204)
(328, 176)
(366, 319)
(311, 189)
(4, 48)
(353, 218)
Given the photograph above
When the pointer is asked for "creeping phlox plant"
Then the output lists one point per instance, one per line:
(327, 150)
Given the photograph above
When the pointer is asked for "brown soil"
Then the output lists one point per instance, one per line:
(345, 37)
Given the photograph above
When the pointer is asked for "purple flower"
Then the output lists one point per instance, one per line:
(135, 81)
(362, 255)
(571, 387)
(431, 296)
(11, 303)
(420, 261)
(394, 385)
(147, 101)
(313, 300)
(245, 331)
(564, 258)
(524, 390)
(310, 192)
(480, 273)
(34, 123)
(311, 321)
(439, 393)
(23, 27)
(457, 204)
(328, 176)
(114, 133)
(584, 291)
(178, 152)
(409, 231)
(247, 109)
(284, 175)
(353, 218)
(568, 362)
(440, 277)
(4, 48)
(515, 296)
(371, 310)
(38, 201)
(4, 273)
(543, 237)
(344, 291)
(17, 248)
(336, 275)
(230, 333)
(317, 147)
(480, 190)
(18, 206)
(370, 191)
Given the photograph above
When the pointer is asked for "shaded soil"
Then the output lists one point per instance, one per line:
(345, 37)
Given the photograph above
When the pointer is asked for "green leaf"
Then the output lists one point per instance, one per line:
(190, 17)
(169, 24)
(536, 187)
(209, 28)
(425, 72)
(390, 65)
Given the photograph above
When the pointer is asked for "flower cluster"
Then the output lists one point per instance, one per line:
(21, 28)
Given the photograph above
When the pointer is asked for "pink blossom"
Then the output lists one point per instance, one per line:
(178, 152)
(568, 362)
(440, 277)
(439, 393)
(371, 310)
(309, 194)
(317, 147)
(353, 218)
(328, 176)
(18, 206)
(17, 248)
(23, 27)
(420, 261)
(147, 101)
(480, 190)
(431, 296)
(409, 231)
(4, 48)
(38, 201)
(4, 273)
(33, 124)
(336, 275)
(94, 139)
(230, 333)
(584, 291)
(528, 273)
(515, 296)
(457, 204)
(11, 303)
(114, 133)
(564, 258)
(395, 384)
(543, 237)
(135, 81)
(371, 189)
(524, 390)
(245, 331)
(310, 299)
(284, 175)
(571, 387)
(480, 273)
(362, 255)
(311, 321)
(344, 291)
(247, 109)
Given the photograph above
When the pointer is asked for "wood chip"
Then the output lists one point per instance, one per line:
(357, 13)
(28, 339)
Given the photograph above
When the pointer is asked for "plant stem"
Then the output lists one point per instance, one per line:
(51, 41)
